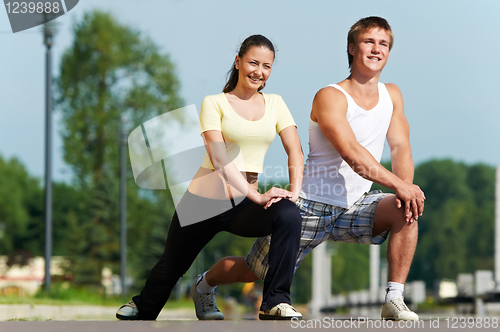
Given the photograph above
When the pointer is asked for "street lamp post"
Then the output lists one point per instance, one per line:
(48, 33)
(123, 204)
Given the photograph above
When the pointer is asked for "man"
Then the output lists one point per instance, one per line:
(349, 123)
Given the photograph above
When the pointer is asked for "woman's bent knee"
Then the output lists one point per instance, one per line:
(288, 214)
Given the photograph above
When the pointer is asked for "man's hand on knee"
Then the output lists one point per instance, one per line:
(413, 199)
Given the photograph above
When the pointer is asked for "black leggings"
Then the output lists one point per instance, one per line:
(248, 219)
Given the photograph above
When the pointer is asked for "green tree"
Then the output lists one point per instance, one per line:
(110, 70)
(17, 189)
(66, 203)
(456, 229)
(22, 224)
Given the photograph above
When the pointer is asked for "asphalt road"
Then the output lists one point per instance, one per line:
(248, 325)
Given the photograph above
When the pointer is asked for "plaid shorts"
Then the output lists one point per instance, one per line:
(321, 222)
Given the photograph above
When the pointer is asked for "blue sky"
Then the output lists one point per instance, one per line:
(445, 61)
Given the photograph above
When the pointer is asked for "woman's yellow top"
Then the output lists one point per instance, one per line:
(250, 139)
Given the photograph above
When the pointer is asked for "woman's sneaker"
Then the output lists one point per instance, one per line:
(282, 311)
(128, 311)
(396, 309)
(205, 305)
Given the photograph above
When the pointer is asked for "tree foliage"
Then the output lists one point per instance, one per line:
(457, 227)
(455, 232)
(22, 225)
(17, 193)
(108, 72)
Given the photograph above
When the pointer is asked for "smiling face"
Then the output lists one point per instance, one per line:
(254, 67)
(371, 50)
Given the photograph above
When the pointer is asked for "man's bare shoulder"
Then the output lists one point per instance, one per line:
(329, 96)
(396, 96)
(326, 101)
(391, 87)
(395, 93)
(328, 91)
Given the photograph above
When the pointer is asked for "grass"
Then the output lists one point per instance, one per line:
(110, 302)
(37, 300)
(31, 319)
(431, 305)
(66, 294)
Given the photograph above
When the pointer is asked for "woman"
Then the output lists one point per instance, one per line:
(237, 127)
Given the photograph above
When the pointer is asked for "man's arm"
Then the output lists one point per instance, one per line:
(329, 110)
(398, 138)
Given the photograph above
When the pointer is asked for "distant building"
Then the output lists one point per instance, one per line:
(27, 279)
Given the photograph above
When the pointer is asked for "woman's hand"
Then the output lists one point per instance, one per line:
(273, 195)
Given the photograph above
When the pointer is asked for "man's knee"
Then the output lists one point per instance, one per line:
(388, 216)
(249, 276)
(238, 266)
(228, 263)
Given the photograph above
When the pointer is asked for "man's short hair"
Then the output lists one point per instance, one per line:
(364, 24)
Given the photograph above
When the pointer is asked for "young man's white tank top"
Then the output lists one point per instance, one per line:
(327, 177)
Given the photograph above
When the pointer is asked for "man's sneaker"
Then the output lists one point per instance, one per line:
(396, 309)
(206, 307)
(282, 311)
(128, 311)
